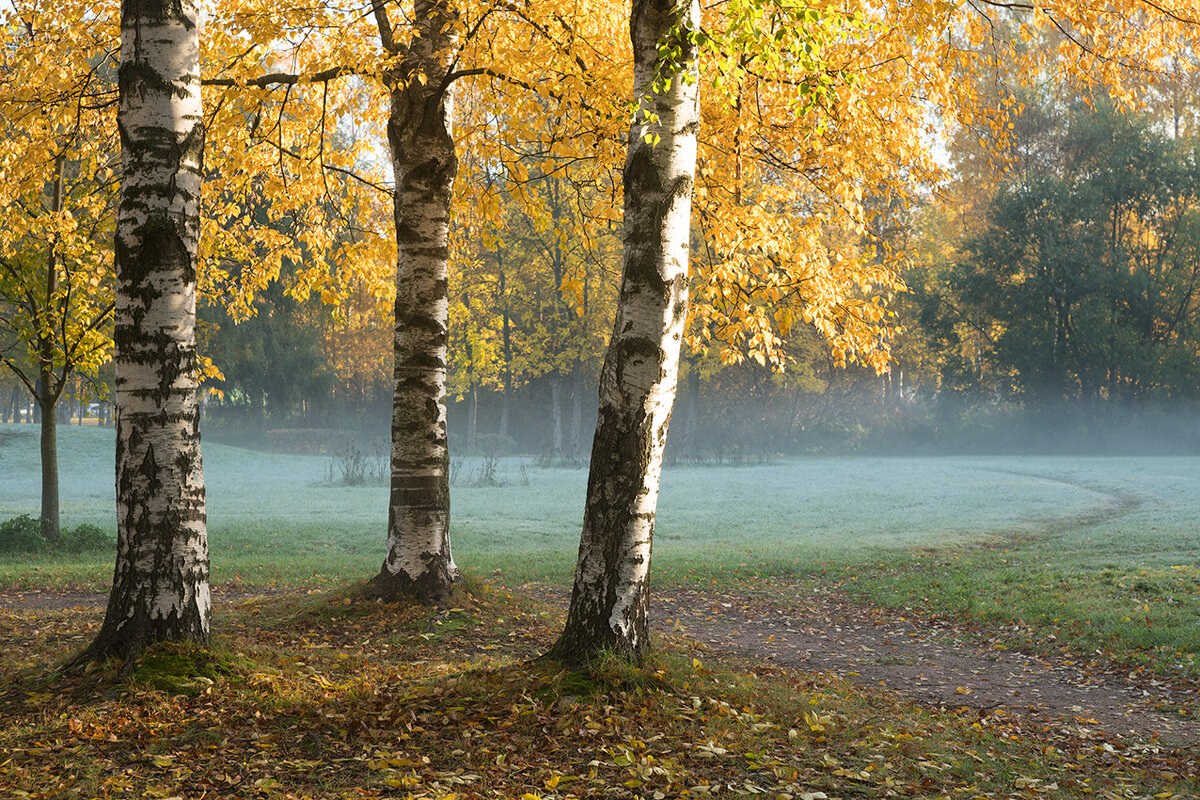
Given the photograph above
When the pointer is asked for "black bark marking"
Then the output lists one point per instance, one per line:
(140, 12)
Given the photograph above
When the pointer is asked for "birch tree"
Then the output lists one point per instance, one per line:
(609, 600)
(424, 163)
(160, 585)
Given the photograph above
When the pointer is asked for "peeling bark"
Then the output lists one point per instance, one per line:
(610, 598)
(160, 586)
(421, 142)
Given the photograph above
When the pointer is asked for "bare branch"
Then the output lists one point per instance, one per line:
(386, 35)
(284, 78)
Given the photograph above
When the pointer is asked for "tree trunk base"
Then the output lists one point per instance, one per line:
(582, 652)
(432, 588)
(127, 642)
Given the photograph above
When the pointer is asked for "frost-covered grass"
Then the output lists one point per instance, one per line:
(273, 518)
(1104, 552)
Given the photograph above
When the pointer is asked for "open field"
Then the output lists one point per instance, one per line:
(272, 517)
(1103, 551)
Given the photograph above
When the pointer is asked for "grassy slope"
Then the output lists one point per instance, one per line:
(329, 697)
(1101, 551)
(1122, 584)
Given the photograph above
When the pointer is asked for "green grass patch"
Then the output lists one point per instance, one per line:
(1139, 617)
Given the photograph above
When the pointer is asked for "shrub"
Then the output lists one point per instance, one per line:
(22, 534)
(86, 538)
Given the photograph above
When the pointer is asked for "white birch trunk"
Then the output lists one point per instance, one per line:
(419, 562)
(160, 585)
(609, 601)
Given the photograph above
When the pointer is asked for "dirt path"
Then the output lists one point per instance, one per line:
(930, 661)
(933, 662)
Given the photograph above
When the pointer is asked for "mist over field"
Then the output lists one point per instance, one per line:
(286, 517)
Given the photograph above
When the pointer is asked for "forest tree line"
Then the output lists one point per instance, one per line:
(1055, 291)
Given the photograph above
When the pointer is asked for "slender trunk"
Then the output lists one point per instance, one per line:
(160, 584)
(419, 562)
(506, 401)
(577, 412)
(49, 447)
(473, 419)
(472, 389)
(610, 597)
(505, 404)
(691, 424)
(48, 391)
(556, 442)
(260, 410)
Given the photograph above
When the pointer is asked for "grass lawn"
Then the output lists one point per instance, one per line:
(1101, 552)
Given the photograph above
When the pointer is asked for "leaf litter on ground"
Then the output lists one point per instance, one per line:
(329, 696)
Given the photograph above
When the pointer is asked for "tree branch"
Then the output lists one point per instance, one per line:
(284, 78)
(386, 34)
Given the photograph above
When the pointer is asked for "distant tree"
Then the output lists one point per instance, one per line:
(540, 301)
(1087, 275)
(161, 582)
(273, 361)
(356, 341)
(57, 210)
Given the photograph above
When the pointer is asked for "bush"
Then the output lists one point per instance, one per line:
(353, 466)
(22, 534)
(86, 538)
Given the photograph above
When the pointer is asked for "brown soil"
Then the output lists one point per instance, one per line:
(930, 660)
(934, 662)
